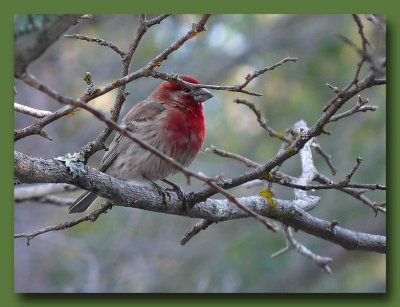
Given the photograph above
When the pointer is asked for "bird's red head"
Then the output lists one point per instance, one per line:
(171, 92)
(176, 86)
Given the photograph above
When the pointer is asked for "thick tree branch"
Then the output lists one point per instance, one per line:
(35, 170)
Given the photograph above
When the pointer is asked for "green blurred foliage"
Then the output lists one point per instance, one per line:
(136, 251)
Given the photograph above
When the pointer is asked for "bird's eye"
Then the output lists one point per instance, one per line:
(187, 90)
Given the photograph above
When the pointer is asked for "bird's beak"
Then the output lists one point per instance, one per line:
(202, 95)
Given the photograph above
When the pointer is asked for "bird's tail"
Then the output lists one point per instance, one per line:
(82, 202)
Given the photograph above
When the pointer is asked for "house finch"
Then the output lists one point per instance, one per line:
(171, 120)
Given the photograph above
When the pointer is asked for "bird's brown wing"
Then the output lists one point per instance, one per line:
(142, 112)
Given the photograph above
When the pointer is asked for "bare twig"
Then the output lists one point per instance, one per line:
(327, 158)
(262, 121)
(361, 106)
(288, 181)
(354, 110)
(152, 22)
(285, 180)
(175, 78)
(355, 193)
(364, 54)
(37, 126)
(143, 28)
(127, 59)
(30, 111)
(101, 42)
(196, 29)
(347, 41)
(353, 170)
(231, 155)
(358, 71)
(257, 73)
(293, 244)
(199, 226)
(353, 82)
(92, 217)
(365, 41)
(241, 87)
(333, 88)
(365, 57)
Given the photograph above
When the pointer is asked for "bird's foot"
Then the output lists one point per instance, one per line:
(181, 195)
(160, 191)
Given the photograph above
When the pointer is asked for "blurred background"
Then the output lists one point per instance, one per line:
(131, 250)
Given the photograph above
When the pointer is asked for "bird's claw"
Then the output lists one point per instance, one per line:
(181, 195)
(160, 191)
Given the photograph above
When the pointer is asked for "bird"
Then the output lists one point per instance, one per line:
(170, 119)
